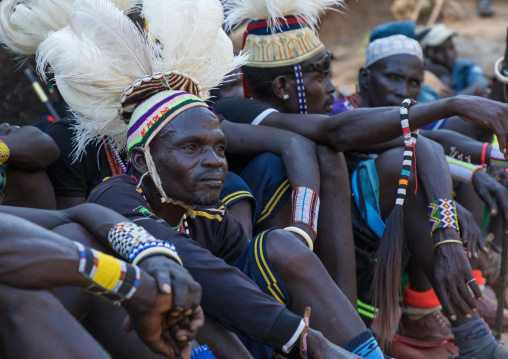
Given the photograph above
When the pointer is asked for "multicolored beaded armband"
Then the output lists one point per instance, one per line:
(443, 214)
(111, 278)
(134, 243)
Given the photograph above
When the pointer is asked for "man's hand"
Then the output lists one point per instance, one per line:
(453, 275)
(486, 113)
(488, 188)
(470, 233)
(174, 279)
(165, 309)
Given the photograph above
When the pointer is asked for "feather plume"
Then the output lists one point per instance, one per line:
(190, 40)
(24, 24)
(238, 11)
(99, 54)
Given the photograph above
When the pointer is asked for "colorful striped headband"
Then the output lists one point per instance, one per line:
(153, 114)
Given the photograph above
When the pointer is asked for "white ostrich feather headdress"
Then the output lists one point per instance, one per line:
(104, 65)
(24, 24)
(289, 35)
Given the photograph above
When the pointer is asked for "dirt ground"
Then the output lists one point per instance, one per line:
(346, 35)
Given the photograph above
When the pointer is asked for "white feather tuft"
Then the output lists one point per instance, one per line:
(188, 38)
(25, 23)
(238, 11)
(99, 54)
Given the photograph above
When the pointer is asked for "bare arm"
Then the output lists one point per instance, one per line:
(35, 258)
(462, 143)
(297, 152)
(30, 148)
(98, 220)
(367, 126)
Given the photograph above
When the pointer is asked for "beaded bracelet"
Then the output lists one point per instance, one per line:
(147, 249)
(448, 241)
(302, 233)
(4, 152)
(305, 207)
(497, 157)
(129, 240)
(111, 278)
(484, 153)
(305, 333)
(461, 170)
(409, 147)
(443, 214)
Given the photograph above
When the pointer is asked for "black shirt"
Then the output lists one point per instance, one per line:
(79, 178)
(216, 240)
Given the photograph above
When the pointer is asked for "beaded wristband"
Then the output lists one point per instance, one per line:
(448, 241)
(409, 146)
(303, 337)
(304, 235)
(461, 170)
(443, 214)
(202, 352)
(147, 249)
(497, 157)
(129, 240)
(111, 278)
(4, 152)
(305, 208)
(484, 153)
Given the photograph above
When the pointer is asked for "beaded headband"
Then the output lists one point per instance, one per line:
(152, 115)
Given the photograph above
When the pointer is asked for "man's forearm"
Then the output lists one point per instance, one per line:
(455, 144)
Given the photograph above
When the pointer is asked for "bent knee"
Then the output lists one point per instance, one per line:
(287, 253)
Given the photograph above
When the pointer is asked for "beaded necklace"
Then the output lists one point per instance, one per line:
(114, 157)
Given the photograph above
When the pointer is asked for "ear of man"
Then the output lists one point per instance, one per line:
(138, 160)
(283, 87)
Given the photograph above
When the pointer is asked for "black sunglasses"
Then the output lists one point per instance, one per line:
(322, 65)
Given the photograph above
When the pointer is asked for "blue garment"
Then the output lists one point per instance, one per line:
(428, 93)
(254, 263)
(266, 177)
(264, 181)
(466, 73)
(235, 189)
(369, 182)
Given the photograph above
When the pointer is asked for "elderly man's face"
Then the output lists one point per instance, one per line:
(444, 54)
(394, 79)
(189, 157)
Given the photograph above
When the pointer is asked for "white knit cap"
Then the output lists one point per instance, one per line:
(436, 36)
(392, 45)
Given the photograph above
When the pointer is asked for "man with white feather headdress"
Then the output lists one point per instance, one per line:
(146, 93)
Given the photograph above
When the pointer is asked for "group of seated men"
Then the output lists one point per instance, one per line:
(245, 230)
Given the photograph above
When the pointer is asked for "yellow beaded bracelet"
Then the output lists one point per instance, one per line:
(448, 241)
(4, 152)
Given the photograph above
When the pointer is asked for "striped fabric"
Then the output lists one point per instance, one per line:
(153, 114)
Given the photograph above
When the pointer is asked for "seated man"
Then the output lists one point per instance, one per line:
(177, 151)
(25, 153)
(35, 258)
(466, 76)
